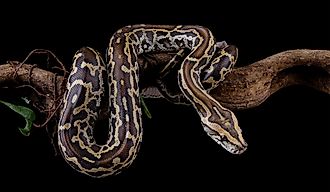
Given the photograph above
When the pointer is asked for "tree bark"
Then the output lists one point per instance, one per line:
(243, 88)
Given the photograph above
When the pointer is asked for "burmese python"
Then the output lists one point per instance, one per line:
(200, 70)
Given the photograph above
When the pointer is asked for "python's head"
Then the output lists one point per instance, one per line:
(223, 128)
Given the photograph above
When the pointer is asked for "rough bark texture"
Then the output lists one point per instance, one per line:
(243, 88)
(44, 82)
(249, 86)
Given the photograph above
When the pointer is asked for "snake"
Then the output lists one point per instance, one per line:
(201, 67)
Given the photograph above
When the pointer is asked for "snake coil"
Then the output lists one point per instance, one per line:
(201, 70)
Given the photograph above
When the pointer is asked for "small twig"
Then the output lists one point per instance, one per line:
(34, 89)
(30, 73)
(48, 52)
(49, 117)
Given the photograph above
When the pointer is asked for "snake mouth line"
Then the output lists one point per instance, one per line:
(234, 149)
(223, 141)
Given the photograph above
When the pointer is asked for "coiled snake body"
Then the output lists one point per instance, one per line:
(201, 70)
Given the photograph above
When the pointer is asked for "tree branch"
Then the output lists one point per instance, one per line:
(243, 88)
(251, 85)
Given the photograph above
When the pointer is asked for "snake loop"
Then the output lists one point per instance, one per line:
(87, 83)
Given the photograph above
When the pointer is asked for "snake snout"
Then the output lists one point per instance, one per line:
(242, 149)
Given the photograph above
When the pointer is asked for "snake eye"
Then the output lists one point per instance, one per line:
(227, 124)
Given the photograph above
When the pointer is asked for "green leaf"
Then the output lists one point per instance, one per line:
(26, 113)
(145, 109)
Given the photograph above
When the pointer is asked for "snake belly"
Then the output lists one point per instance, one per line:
(85, 88)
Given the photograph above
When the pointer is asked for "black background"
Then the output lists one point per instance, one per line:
(288, 135)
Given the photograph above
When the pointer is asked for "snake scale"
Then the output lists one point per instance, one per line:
(200, 70)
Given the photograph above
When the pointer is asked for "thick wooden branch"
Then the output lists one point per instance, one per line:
(251, 85)
(243, 88)
(44, 82)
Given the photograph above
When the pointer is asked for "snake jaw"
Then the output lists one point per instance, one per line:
(229, 146)
(234, 149)
(238, 146)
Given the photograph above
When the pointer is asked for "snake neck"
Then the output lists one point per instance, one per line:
(219, 123)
